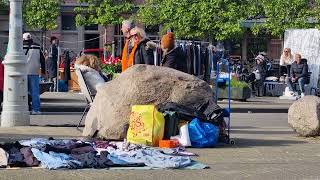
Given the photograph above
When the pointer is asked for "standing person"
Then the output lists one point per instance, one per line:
(299, 73)
(285, 61)
(142, 52)
(127, 25)
(173, 56)
(35, 61)
(52, 66)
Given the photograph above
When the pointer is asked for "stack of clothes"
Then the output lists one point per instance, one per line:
(76, 154)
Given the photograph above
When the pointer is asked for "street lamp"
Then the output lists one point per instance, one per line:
(15, 94)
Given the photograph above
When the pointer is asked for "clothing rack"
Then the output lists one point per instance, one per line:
(199, 55)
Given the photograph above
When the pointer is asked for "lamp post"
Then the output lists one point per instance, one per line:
(15, 102)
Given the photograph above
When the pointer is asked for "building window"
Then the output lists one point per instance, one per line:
(93, 27)
(68, 22)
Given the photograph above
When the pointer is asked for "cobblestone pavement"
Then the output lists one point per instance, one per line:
(266, 148)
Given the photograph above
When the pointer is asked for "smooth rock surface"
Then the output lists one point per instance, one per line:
(304, 116)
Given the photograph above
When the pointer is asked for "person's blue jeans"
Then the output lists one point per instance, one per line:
(34, 91)
(301, 82)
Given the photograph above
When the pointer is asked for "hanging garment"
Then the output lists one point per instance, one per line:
(67, 73)
(199, 61)
(189, 59)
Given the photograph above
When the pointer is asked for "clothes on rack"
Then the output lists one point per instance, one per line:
(200, 57)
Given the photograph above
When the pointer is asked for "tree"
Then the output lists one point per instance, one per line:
(280, 15)
(103, 12)
(4, 4)
(219, 19)
(41, 14)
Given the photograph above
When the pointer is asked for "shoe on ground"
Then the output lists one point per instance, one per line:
(302, 95)
(36, 113)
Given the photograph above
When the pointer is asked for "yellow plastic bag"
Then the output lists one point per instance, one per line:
(146, 125)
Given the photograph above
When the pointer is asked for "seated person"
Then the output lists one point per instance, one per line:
(298, 73)
(89, 66)
(258, 76)
(286, 60)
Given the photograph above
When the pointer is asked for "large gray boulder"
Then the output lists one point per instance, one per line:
(141, 84)
(304, 116)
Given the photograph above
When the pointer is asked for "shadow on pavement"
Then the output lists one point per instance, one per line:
(249, 143)
(56, 125)
(260, 132)
(17, 137)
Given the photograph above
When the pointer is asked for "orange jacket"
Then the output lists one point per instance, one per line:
(124, 61)
(128, 60)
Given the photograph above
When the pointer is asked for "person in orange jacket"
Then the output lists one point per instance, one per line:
(127, 25)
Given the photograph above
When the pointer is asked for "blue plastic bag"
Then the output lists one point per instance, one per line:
(203, 134)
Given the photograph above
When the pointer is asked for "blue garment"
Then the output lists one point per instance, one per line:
(55, 160)
(150, 157)
(34, 91)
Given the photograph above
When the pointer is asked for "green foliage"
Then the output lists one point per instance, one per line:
(281, 15)
(238, 84)
(111, 69)
(219, 19)
(103, 12)
(41, 14)
(4, 4)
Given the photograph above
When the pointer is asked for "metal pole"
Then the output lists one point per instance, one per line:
(15, 102)
(58, 65)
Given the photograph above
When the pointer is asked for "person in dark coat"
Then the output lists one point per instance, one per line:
(258, 76)
(173, 57)
(298, 73)
(142, 52)
(52, 60)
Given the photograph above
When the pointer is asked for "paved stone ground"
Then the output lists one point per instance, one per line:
(266, 148)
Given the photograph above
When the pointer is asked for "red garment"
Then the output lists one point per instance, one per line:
(1, 76)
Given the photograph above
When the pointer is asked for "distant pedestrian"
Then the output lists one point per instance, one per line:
(142, 52)
(35, 61)
(52, 60)
(127, 25)
(173, 57)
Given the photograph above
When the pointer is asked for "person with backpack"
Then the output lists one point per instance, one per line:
(35, 62)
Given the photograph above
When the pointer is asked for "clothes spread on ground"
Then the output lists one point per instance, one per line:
(148, 156)
(74, 154)
(4, 156)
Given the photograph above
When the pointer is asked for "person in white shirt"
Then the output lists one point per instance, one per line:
(285, 61)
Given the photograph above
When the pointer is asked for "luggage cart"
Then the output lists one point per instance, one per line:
(226, 111)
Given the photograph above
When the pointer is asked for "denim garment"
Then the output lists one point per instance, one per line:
(150, 157)
(55, 160)
(34, 91)
(301, 82)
